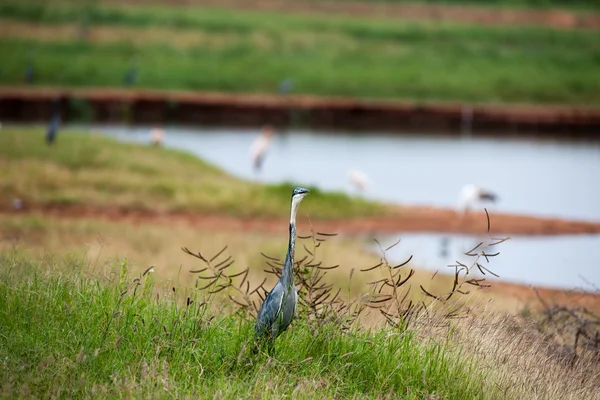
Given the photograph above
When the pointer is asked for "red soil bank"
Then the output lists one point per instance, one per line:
(20, 104)
(408, 219)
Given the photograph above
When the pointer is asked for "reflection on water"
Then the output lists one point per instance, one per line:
(544, 178)
(554, 261)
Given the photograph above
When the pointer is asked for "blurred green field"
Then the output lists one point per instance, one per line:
(532, 4)
(583, 5)
(224, 50)
(91, 170)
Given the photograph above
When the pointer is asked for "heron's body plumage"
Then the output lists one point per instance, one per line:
(278, 310)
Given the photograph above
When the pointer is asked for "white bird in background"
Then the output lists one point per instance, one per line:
(260, 146)
(157, 135)
(358, 179)
(471, 195)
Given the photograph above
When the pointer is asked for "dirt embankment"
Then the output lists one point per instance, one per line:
(512, 296)
(407, 219)
(24, 104)
(555, 18)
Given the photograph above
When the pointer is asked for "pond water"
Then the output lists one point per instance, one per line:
(530, 177)
(544, 178)
(567, 262)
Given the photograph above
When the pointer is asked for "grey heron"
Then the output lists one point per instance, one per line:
(53, 128)
(286, 86)
(29, 70)
(131, 74)
(281, 304)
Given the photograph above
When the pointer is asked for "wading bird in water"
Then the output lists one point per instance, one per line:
(281, 304)
(260, 146)
(157, 136)
(358, 179)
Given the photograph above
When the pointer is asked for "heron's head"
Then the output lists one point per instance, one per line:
(299, 193)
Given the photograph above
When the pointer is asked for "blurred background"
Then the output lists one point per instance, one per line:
(414, 113)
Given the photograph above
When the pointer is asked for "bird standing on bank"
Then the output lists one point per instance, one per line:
(471, 195)
(280, 305)
(53, 128)
(131, 74)
(285, 86)
(29, 70)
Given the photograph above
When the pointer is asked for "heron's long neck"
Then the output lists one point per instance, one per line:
(287, 274)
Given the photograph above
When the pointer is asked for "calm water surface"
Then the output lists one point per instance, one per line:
(541, 178)
(555, 261)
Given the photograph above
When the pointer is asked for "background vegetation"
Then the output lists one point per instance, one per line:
(219, 49)
(536, 4)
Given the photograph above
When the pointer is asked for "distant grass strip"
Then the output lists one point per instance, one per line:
(91, 170)
(66, 334)
(252, 52)
(215, 20)
(529, 4)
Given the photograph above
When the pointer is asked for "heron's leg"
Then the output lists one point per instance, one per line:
(271, 348)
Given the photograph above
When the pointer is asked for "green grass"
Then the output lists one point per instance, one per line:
(65, 333)
(324, 55)
(91, 170)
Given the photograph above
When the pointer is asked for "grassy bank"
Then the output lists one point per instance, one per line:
(215, 49)
(65, 333)
(74, 329)
(156, 244)
(92, 170)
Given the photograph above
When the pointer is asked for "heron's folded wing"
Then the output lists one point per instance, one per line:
(270, 309)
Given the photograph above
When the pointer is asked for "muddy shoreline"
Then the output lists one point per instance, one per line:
(406, 219)
(151, 107)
